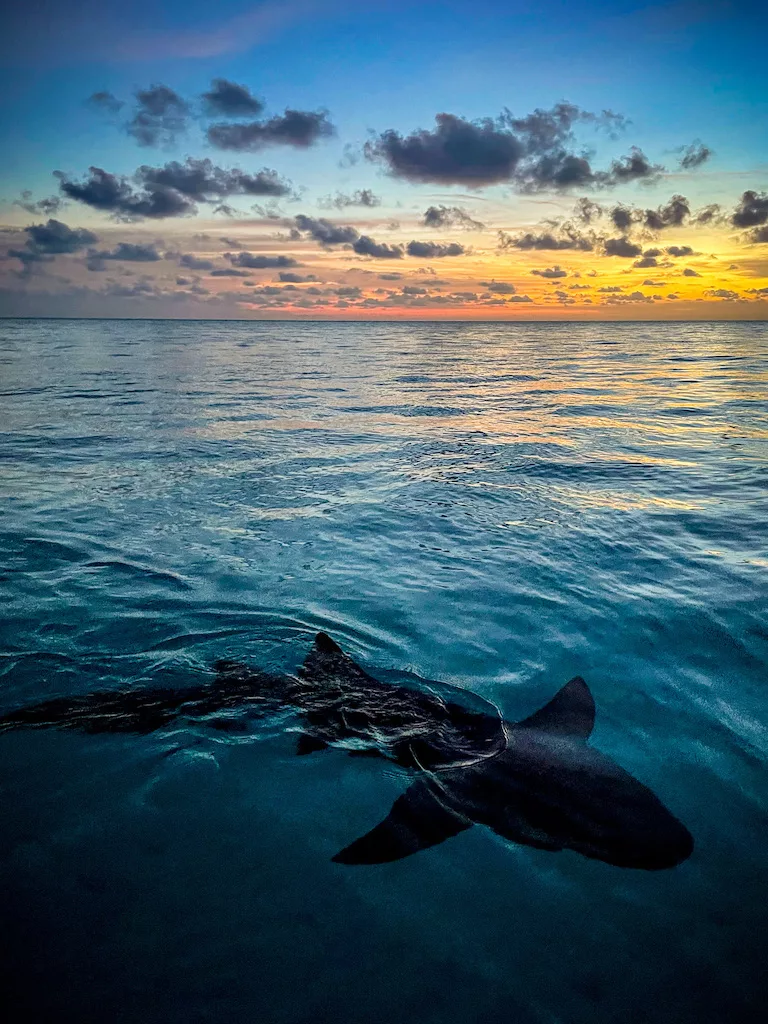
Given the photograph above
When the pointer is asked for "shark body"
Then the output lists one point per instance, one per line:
(538, 782)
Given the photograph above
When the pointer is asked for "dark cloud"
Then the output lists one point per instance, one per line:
(676, 250)
(434, 250)
(229, 272)
(390, 277)
(651, 253)
(160, 115)
(758, 291)
(635, 166)
(289, 278)
(456, 152)
(546, 241)
(519, 298)
(227, 99)
(621, 247)
(499, 287)
(694, 156)
(722, 293)
(450, 217)
(759, 235)
(707, 214)
(255, 261)
(672, 215)
(551, 272)
(128, 252)
(131, 252)
(300, 128)
(587, 211)
(533, 152)
(688, 272)
(653, 284)
(54, 238)
(366, 246)
(751, 211)
(203, 181)
(193, 262)
(623, 218)
(41, 207)
(646, 262)
(116, 195)
(106, 102)
(325, 231)
(611, 289)
(360, 197)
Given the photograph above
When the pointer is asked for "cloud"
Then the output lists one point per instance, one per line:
(258, 262)
(456, 152)
(519, 298)
(531, 152)
(106, 102)
(758, 291)
(551, 272)
(653, 284)
(160, 115)
(289, 278)
(54, 237)
(678, 250)
(390, 277)
(193, 262)
(128, 252)
(694, 155)
(499, 287)
(434, 250)
(672, 215)
(42, 207)
(229, 272)
(611, 289)
(688, 272)
(450, 216)
(546, 241)
(203, 181)
(623, 218)
(646, 262)
(707, 214)
(325, 231)
(621, 247)
(759, 234)
(635, 166)
(227, 99)
(299, 128)
(722, 293)
(751, 211)
(114, 194)
(366, 246)
(360, 197)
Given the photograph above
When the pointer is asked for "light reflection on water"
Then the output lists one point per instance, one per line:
(498, 506)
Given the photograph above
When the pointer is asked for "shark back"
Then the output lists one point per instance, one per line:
(417, 728)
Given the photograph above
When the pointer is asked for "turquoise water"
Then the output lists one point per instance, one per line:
(497, 506)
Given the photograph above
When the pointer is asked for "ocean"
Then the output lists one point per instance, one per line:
(497, 506)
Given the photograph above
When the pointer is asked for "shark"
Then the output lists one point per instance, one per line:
(538, 782)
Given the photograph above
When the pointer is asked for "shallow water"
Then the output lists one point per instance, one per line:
(497, 506)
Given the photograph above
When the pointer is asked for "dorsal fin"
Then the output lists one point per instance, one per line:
(571, 712)
(326, 657)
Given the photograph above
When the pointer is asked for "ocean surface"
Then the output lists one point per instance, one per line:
(496, 506)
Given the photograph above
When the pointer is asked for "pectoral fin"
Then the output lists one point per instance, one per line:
(418, 819)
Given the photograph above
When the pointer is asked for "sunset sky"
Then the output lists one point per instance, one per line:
(385, 159)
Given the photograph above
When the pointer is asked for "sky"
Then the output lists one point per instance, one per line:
(330, 159)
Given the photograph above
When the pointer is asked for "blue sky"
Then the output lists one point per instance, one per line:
(678, 72)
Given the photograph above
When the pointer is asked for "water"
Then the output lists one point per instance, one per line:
(497, 506)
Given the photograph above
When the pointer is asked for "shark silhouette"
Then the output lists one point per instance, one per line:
(537, 782)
